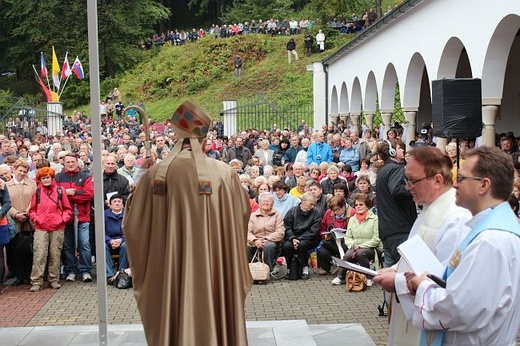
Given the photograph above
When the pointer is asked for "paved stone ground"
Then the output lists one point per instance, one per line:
(315, 300)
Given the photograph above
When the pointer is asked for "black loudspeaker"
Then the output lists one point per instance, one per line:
(457, 108)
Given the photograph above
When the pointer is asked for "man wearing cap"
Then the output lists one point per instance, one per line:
(187, 216)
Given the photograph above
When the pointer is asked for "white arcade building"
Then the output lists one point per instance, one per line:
(418, 42)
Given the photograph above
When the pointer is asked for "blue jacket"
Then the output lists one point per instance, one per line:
(113, 229)
(321, 150)
(350, 157)
(290, 154)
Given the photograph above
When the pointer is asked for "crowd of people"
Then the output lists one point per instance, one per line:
(302, 185)
(269, 27)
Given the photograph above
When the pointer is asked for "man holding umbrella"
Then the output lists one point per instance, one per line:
(79, 188)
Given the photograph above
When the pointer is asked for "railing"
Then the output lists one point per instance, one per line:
(285, 110)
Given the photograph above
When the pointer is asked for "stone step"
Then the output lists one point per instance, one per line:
(279, 333)
(260, 333)
(340, 334)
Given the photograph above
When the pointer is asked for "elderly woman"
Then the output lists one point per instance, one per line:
(362, 238)
(349, 155)
(20, 189)
(302, 225)
(332, 178)
(50, 211)
(363, 186)
(365, 170)
(265, 230)
(337, 216)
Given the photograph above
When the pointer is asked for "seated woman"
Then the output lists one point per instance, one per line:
(114, 238)
(363, 186)
(362, 238)
(265, 230)
(336, 216)
(302, 225)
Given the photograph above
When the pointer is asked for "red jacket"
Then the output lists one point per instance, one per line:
(329, 221)
(84, 186)
(50, 213)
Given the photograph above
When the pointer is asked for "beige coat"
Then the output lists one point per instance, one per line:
(21, 195)
(268, 227)
(187, 255)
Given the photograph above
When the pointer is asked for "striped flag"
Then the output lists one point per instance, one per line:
(43, 66)
(77, 69)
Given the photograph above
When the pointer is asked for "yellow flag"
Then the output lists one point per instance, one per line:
(55, 70)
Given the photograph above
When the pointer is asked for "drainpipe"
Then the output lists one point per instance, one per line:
(326, 71)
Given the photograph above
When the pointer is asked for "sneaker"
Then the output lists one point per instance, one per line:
(86, 277)
(337, 281)
(35, 288)
(71, 277)
(305, 276)
(322, 272)
(369, 283)
(55, 285)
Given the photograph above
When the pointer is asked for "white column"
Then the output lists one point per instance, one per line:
(319, 93)
(489, 116)
(334, 119)
(410, 116)
(230, 117)
(344, 117)
(387, 118)
(54, 120)
(369, 120)
(354, 120)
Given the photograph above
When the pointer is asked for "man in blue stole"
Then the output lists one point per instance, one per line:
(480, 304)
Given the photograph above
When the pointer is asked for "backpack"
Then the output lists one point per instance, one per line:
(39, 192)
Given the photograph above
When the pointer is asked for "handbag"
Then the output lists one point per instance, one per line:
(123, 280)
(24, 242)
(259, 270)
(295, 271)
(356, 282)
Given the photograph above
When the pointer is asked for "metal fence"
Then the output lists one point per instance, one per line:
(22, 117)
(285, 110)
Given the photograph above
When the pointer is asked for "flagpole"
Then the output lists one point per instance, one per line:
(93, 50)
(63, 87)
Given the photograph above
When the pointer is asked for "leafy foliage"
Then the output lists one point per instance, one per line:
(30, 27)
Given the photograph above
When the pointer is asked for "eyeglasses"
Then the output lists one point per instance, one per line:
(359, 204)
(412, 183)
(461, 177)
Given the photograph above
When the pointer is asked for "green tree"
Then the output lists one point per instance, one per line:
(37, 25)
(31, 27)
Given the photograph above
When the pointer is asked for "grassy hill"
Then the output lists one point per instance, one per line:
(203, 72)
